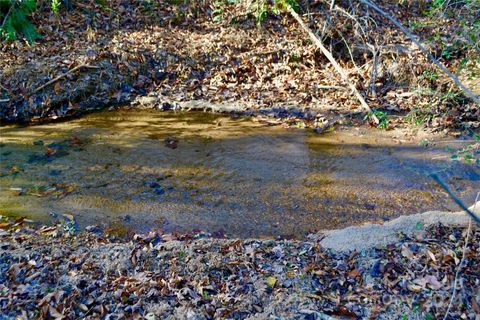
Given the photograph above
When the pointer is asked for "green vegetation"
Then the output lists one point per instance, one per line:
(15, 18)
(259, 9)
(419, 116)
(15, 21)
(55, 5)
(382, 118)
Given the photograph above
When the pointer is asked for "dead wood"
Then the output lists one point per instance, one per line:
(332, 60)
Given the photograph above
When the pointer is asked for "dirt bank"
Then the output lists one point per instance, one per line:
(185, 53)
(52, 272)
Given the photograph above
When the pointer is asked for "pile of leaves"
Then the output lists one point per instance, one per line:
(238, 52)
(52, 272)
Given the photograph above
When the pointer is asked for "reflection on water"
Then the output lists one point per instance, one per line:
(146, 169)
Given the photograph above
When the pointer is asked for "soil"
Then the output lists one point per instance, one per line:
(369, 236)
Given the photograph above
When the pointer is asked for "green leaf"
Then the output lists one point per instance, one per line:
(429, 316)
(17, 21)
(271, 281)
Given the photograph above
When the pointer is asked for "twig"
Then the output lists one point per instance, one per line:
(457, 274)
(4, 88)
(349, 50)
(4, 100)
(6, 16)
(373, 76)
(63, 75)
(454, 197)
(327, 19)
(330, 57)
(373, 49)
(87, 313)
(417, 42)
(331, 87)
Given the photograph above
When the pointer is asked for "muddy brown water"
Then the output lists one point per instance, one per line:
(138, 170)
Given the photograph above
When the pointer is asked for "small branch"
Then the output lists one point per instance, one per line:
(4, 100)
(330, 57)
(62, 76)
(373, 76)
(331, 87)
(6, 16)
(348, 49)
(454, 197)
(4, 88)
(417, 42)
(327, 19)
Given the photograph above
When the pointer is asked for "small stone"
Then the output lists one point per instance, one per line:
(376, 269)
(159, 191)
(94, 229)
(370, 206)
(154, 184)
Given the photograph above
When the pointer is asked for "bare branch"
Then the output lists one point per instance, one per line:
(454, 197)
(417, 42)
(62, 76)
(332, 60)
(457, 274)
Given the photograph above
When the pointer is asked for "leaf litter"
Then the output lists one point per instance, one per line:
(54, 273)
(160, 54)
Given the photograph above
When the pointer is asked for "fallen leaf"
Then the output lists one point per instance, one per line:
(432, 256)
(354, 273)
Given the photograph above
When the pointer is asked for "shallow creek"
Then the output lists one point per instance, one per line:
(137, 170)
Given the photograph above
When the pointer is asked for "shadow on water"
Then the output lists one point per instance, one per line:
(144, 169)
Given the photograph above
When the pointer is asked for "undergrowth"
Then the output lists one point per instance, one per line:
(259, 9)
(14, 16)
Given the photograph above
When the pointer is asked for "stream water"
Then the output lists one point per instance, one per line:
(137, 170)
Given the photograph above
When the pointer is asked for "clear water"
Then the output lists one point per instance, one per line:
(138, 170)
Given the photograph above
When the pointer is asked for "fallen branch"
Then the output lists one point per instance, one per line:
(417, 42)
(87, 66)
(330, 58)
(454, 197)
(327, 19)
(4, 100)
